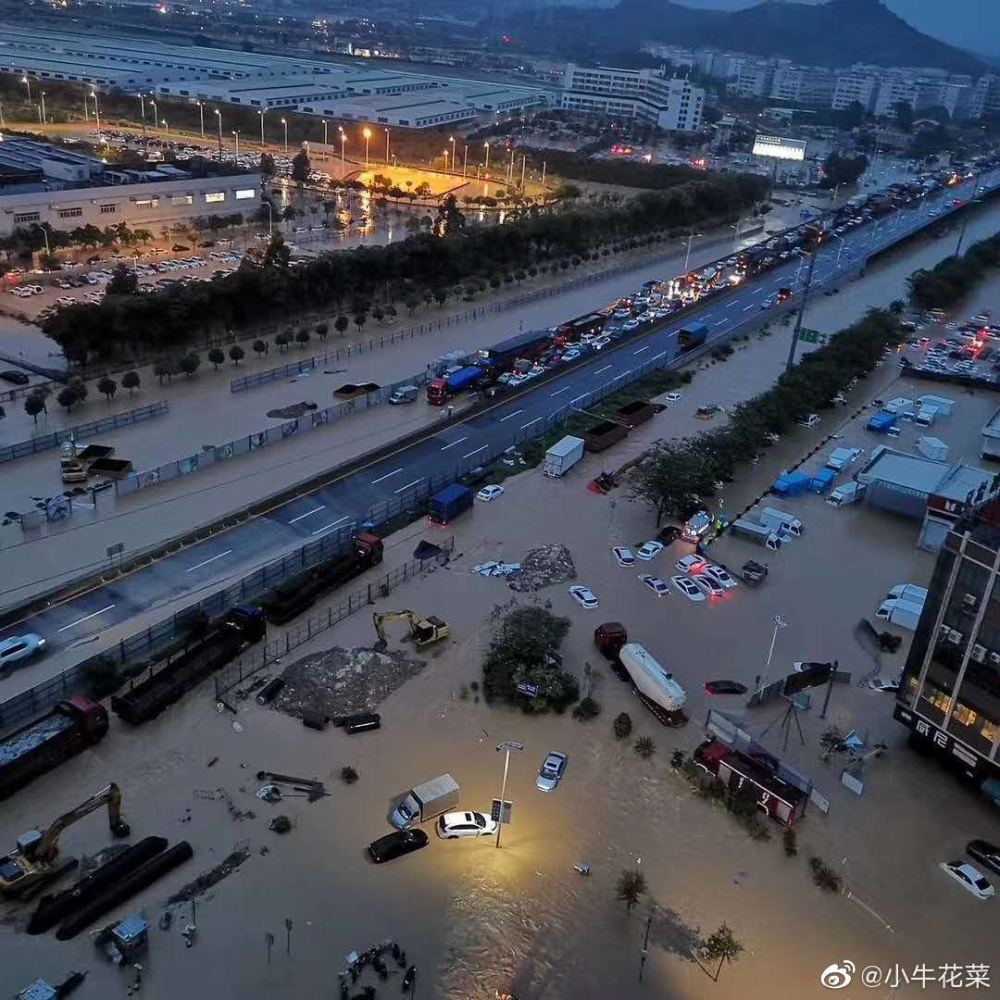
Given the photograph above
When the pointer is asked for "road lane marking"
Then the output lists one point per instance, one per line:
(656, 357)
(308, 513)
(403, 489)
(604, 369)
(86, 618)
(583, 396)
(748, 308)
(529, 423)
(453, 443)
(729, 305)
(641, 349)
(721, 322)
(332, 524)
(476, 452)
(510, 416)
(556, 393)
(207, 561)
(375, 482)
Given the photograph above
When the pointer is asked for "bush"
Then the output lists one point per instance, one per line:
(622, 726)
(348, 775)
(644, 747)
(824, 876)
(587, 709)
(789, 841)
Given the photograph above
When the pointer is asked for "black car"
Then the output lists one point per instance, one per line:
(985, 853)
(179, 248)
(725, 687)
(395, 845)
(15, 378)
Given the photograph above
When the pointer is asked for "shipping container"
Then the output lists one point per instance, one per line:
(562, 456)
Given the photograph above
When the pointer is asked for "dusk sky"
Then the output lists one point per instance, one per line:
(971, 24)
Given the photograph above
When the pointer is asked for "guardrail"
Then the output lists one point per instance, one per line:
(46, 442)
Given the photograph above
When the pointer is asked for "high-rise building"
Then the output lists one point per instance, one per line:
(949, 696)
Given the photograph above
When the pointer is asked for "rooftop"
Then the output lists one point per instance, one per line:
(923, 476)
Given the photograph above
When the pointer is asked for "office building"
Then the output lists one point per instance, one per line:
(950, 692)
(649, 96)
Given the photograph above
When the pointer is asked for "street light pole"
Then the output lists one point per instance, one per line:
(778, 624)
(284, 124)
(465, 160)
(201, 115)
(43, 107)
(27, 83)
(261, 113)
(505, 748)
(368, 135)
(387, 147)
(166, 130)
(802, 308)
(486, 145)
(142, 112)
(325, 143)
(237, 134)
(687, 256)
(343, 143)
(218, 118)
(270, 220)
(97, 114)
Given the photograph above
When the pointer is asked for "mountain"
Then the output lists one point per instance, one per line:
(837, 33)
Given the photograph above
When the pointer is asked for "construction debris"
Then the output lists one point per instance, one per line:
(269, 793)
(497, 569)
(344, 681)
(310, 787)
(207, 879)
(544, 567)
(280, 824)
(292, 412)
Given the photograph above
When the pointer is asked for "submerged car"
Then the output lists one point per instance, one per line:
(395, 845)
(583, 596)
(551, 771)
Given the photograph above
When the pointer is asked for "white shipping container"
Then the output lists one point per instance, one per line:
(562, 456)
(933, 448)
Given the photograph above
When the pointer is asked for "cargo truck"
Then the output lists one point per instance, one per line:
(781, 523)
(908, 592)
(840, 458)
(847, 494)
(603, 435)
(425, 801)
(449, 503)
(905, 614)
(528, 345)
(404, 394)
(440, 390)
(635, 413)
(758, 533)
(562, 456)
(691, 336)
(303, 590)
(64, 731)
(222, 641)
(881, 422)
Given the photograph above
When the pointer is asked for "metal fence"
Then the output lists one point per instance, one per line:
(45, 442)
(272, 649)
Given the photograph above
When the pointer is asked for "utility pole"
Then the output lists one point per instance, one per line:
(829, 688)
(645, 948)
(505, 748)
(802, 307)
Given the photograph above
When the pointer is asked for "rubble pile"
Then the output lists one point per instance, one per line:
(543, 567)
(344, 681)
(210, 878)
(292, 412)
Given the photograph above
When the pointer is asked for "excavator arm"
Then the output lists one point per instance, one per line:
(423, 631)
(111, 796)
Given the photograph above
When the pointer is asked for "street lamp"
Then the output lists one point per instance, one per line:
(97, 114)
(201, 115)
(43, 107)
(284, 123)
(27, 83)
(444, 153)
(236, 133)
(465, 160)
(166, 130)
(451, 139)
(367, 133)
(343, 143)
(218, 118)
(687, 257)
(261, 113)
(505, 748)
(325, 143)
(387, 147)
(779, 623)
(142, 110)
(486, 146)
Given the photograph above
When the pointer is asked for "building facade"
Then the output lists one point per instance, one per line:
(949, 695)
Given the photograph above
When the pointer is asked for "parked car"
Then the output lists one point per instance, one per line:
(969, 878)
(691, 564)
(395, 845)
(985, 853)
(725, 687)
(878, 684)
(452, 826)
(688, 588)
(711, 587)
(551, 771)
(583, 596)
(655, 584)
(15, 378)
(623, 556)
(720, 575)
(672, 397)
(650, 550)
(489, 493)
(18, 648)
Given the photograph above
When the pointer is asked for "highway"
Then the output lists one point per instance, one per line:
(408, 474)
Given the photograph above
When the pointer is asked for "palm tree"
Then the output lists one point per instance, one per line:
(722, 945)
(631, 886)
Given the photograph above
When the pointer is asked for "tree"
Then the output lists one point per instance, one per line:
(359, 320)
(131, 381)
(289, 213)
(216, 356)
(721, 946)
(67, 398)
(260, 346)
(164, 370)
(630, 888)
(340, 324)
(322, 331)
(302, 337)
(301, 167)
(644, 747)
(33, 405)
(267, 166)
(282, 340)
(123, 280)
(236, 354)
(838, 170)
(897, 306)
(79, 386)
(622, 726)
(107, 387)
(277, 254)
(189, 363)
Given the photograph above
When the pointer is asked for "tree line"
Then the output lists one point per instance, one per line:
(950, 280)
(424, 266)
(675, 478)
(628, 173)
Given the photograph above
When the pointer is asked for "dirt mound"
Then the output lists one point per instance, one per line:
(544, 567)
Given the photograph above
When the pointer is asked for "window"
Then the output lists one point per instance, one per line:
(25, 217)
(147, 202)
(108, 209)
(181, 199)
(245, 193)
(214, 197)
(70, 213)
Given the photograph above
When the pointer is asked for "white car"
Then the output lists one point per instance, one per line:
(672, 397)
(691, 564)
(969, 878)
(720, 575)
(583, 596)
(623, 556)
(650, 550)
(451, 826)
(688, 588)
(710, 587)
(489, 493)
(655, 584)
(551, 771)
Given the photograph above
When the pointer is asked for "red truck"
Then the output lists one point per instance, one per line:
(64, 731)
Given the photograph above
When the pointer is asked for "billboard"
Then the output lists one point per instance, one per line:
(778, 148)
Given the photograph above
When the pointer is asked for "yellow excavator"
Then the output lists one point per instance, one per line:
(33, 859)
(423, 631)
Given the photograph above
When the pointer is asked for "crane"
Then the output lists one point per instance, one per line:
(32, 860)
(423, 631)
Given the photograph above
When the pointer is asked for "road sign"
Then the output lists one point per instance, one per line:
(529, 689)
(495, 811)
(115, 550)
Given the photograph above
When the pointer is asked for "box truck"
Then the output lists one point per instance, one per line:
(425, 801)
(905, 614)
(758, 533)
(780, 522)
(562, 456)
(933, 448)
(847, 494)
(909, 592)
(445, 506)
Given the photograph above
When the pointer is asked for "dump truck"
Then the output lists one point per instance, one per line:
(222, 641)
(64, 731)
(758, 533)
(603, 435)
(294, 596)
(635, 413)
(692, 336)
(425, 801)
(562, 456)
(445, 506)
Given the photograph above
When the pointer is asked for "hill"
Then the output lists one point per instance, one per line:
(837, 33)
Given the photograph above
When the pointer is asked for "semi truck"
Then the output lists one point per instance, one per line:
(758, 533)
(527, 345)
(64, 731)
(449, 503)
(905, 614)
(657, 689)
(294, 596)
(562, 456)
(582, 326)
(781, 523)
(440, 390)
(691, 336)
(425, 801)
(222, 641)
